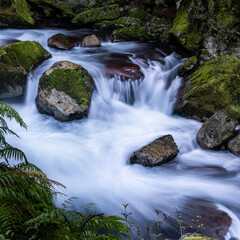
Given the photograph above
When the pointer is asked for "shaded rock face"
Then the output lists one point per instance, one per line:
(216, 130)
(91, 41)
(212, 87)
(63, 42)
(65, 91)
(234, 145)
(123, 69)
(216, 223)
(160, 151)
(16, 60)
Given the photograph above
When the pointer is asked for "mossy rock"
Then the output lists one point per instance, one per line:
(105, 25)
(195, 237)
(65, 91)
(15, 13)
(188, 65)
(212, 87)
(16, 60)
(128, 21)
(133, 33)
(190, 37)
(138, 13)
(110, 12)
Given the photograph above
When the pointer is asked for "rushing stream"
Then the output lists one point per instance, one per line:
(91, 156)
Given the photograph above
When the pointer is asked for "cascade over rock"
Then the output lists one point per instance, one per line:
(16, 60)
(65, 91)
(216, 130)
(160, 151)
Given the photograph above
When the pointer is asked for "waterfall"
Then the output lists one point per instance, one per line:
(91, 156)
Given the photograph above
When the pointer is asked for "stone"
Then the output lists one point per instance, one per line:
(216, 130)
(16, 61)
(65, 91)
(124, 69)
(187, 65)
(109, 12)
(127, 22)
(213, 46)
(91, 41)
(63, 42)
(160, 151)
(234, 145)
(213, 86)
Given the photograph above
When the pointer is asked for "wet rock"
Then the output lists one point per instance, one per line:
(91, 41)
(16, 60)
(63, 42)
(216, 130)
(123, 69)
(234, 145)
(160, 151)
(65, 91)
(215, 222)
(213, 46)
(213, 86)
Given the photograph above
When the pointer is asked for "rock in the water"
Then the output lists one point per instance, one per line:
(213, 86)
(123, 69)
(97, 14)
(16, 60)
(160, 151)
(234, 145)
(15, 14)
(216, 130)
(63, 42)
(65, 91)
(91, 41)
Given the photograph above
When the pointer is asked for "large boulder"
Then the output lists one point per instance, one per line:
(216, 130)
(97, 14)
(160, 151)
(125, 70)
(16, 60)
(91, 41)
(15, 14)
(212, 87)
(63, 42)
(65, 91)
(234, 145)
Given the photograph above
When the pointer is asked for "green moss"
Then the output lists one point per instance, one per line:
(131, 33)
(71, 81)
(23, 54)
(138, 13)
(98, 14)
(215, 86)
(16, 13)
(188, 65)
(128, 21)
(226, 19)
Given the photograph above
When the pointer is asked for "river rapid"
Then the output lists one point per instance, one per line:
(91, 156)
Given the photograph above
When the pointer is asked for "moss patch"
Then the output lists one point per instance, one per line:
(138, 13)
(98, 14)
(23, 54)
(214, 86)
(128, 21)
(74, 82)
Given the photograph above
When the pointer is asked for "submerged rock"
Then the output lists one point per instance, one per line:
(63, 42)
(91, 41)
(15, 14)
(16, 60)
(65, 91)
(212, 87)
(234, 145)
(110, 12)
(160, 151)
(216, 130)
(123, 69)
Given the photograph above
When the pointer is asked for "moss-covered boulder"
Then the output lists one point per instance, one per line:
(186, 33)
(128, 21)
(138, 13)
(110, 12)
(187, 65)
(16, 60)
(15, 13)
(65, 91)
(212, 87)
(133, 33)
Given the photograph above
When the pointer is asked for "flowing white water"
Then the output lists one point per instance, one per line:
(90, 156)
